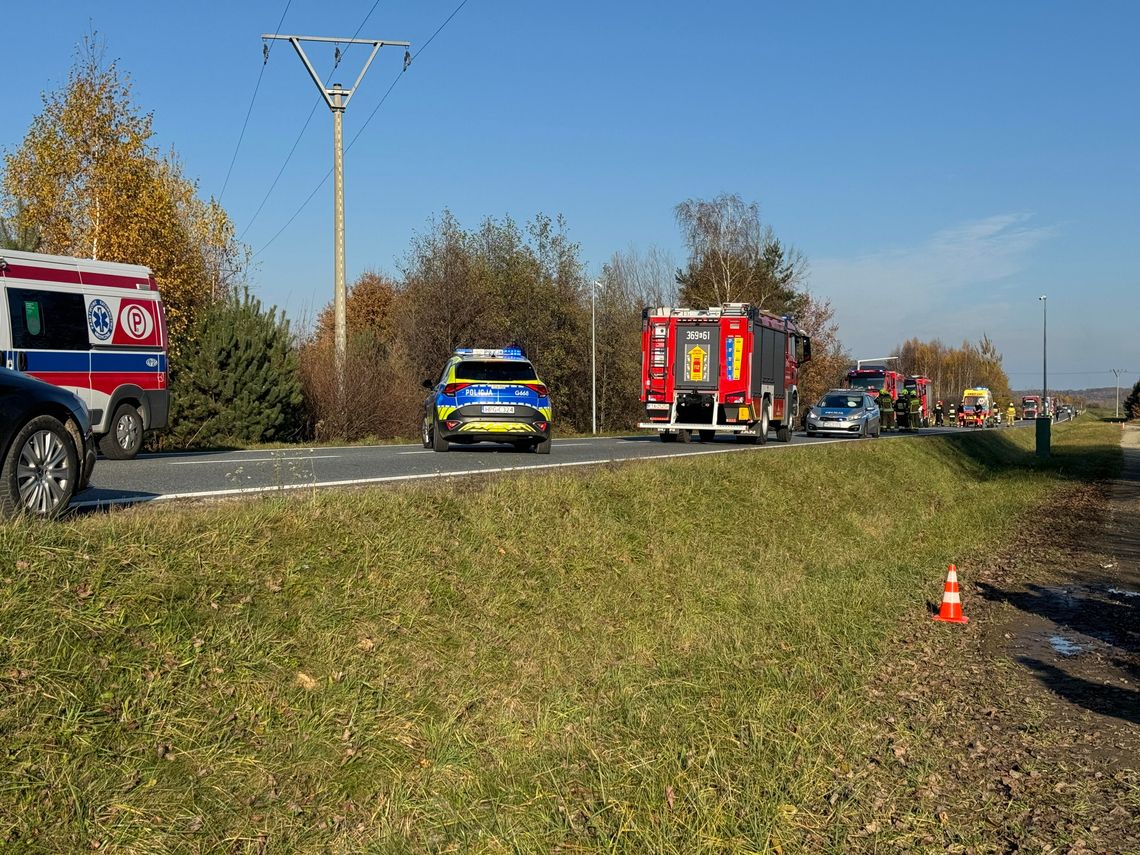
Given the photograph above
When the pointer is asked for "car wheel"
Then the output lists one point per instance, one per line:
(708, 435)
(438, 443)
(863, 431)
(426, 430)
(125, 437)
(543, 446)
(40, 471)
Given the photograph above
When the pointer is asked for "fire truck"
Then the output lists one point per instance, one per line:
(726, 369)
(95, 328)
(921, 387)
(1030, 406)
(875, 378)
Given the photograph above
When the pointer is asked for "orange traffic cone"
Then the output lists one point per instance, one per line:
(951, 611)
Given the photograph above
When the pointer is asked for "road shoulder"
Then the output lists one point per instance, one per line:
(1019, 732)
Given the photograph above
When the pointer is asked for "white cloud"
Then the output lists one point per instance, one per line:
(950, 286)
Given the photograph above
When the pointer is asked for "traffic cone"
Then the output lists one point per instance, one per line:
(951, 611)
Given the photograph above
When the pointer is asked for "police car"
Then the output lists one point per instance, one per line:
(485, 395)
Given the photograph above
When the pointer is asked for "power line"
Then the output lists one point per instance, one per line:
(339, 57)
(407, 63)
(249, 110)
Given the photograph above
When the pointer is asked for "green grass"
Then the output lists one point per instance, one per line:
(656, 657)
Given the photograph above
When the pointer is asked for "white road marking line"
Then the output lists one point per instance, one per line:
(245, 460)
(424, 476)
(419, 451)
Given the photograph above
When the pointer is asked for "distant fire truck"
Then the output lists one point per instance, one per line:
(726, 369)
(1030, 406)
(875, 378)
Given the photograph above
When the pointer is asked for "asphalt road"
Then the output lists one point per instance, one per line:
(203, 475)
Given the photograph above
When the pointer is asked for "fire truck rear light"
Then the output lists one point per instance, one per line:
(735, 398)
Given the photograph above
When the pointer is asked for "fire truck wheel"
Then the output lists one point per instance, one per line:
(684, 436)
(762, 427)
(125, 437)
(784, 433)
(708, 435)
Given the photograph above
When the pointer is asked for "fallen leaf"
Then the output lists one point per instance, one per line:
(305, 681)
(670, 796)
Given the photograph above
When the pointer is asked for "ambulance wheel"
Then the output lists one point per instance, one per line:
(41, 470)
(438, 443)
(708, 435)
(684, 436)
(784, 433)
(668, 436)
(125, 437)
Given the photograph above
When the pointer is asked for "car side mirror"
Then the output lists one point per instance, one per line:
(427, 384)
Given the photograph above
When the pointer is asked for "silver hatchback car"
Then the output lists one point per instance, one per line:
(850, 412)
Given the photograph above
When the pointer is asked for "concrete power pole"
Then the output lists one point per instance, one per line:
(1116, 373)
(337, 99)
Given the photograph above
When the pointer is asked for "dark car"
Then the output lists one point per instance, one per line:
(47, 451)
(485, 395)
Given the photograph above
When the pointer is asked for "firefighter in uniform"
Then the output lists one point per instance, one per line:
(939, 414)
(886, 410)
(1011, 413)
(902, 411)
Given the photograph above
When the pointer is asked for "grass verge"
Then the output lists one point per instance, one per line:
(648, 657)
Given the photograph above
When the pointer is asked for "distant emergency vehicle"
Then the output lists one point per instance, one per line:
(977, 407)
(725, 369)
(96, 328)
(1030, 406)
(875, 378)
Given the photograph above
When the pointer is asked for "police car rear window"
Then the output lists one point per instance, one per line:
(503, 371)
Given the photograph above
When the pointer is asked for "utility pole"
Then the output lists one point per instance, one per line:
(337, 99)
(1116, 372)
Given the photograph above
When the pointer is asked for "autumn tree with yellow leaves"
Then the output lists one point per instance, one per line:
(89, 182)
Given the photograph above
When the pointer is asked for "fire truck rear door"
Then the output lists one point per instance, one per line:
(697, 360)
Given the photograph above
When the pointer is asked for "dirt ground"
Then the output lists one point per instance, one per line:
(1020, 733)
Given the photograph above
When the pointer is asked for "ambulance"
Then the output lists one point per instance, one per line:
(95, 328)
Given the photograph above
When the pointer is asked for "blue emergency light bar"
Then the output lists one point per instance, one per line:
(491, 353)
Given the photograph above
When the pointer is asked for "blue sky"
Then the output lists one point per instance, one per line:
(940, 165)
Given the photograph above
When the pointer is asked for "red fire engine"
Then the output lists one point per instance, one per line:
(875, 378)
(726, 369)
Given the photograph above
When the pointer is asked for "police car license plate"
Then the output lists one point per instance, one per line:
(498, 408)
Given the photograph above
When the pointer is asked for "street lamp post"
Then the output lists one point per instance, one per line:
(594, 357)
(1044, 420)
